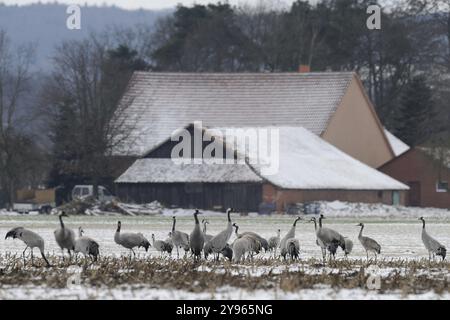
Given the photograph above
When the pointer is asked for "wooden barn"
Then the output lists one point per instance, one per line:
(427, 177)
(308, 169)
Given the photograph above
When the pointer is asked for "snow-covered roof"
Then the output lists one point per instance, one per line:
(398, 146)
(166, 171)
(305, 161)
(159, 103)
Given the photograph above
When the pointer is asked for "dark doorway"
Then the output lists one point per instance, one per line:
(414, 194)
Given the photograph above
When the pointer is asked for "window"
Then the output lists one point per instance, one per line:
(441, 186)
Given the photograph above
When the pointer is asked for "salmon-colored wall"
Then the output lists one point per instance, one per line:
(415, 165)
(284, 197)
(355, 129)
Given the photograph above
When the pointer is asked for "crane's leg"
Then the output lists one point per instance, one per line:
(32, 257)
(367, 253)
(23, 255)
(178, 253)
(45, 259)
(134, 253)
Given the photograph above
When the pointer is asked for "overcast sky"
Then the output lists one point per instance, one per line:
(135, 4)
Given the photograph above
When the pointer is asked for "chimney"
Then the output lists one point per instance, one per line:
(304, 68)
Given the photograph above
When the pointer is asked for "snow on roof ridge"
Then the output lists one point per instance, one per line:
(398, 146)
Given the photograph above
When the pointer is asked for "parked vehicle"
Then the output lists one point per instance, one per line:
(42, 200)
(84, 191)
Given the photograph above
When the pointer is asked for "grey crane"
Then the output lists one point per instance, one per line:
(87, 246)
(290, 234)
(293, 248)
(65, 237)
(329, 237)
(369, 244)
(264, 243)
(161, 246)
(219, 241)
(274, 242)
(179, 239)
(130, 240)
(208, 237)
(255, 244)
(227, 251)
(319, 242)
(432, 245)
(169, 243)
(241, 246)
(31, 239)
(196, 238)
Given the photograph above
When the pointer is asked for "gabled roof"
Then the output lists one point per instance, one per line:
(306, 161)
(397, 145)
(163, 102)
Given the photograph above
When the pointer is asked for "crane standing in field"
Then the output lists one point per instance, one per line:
(65, 237)
(86, 245)
(130, 240)
(319, 242)
(208, 237)
(369, 244)
(289, 235)
(196, 238)
(432, 245)
(31, 239)
(274, 242)
(179, 239)
(219, 241)
(330, 238)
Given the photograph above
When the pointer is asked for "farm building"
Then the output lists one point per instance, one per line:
(332, 105)
(308, 169)
(329, 109)
(426, 176)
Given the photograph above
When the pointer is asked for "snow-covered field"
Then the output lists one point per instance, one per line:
(399, 238)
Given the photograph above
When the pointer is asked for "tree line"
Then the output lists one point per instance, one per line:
(405, 68)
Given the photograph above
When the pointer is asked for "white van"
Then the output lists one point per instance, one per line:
(84, 191)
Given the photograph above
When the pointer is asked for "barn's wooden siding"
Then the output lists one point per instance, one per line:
(241, 196)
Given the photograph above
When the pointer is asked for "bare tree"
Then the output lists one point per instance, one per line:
(17, 150)
(84, 98)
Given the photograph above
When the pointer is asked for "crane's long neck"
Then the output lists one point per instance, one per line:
(315, 224)
(236, 228)
(61, 222)
(229, 218)
(423, 224)
(360, 231)
(196, 218)
(320, 222)
(80, 233)
(153, 240)
(173, 225)
(204, 227)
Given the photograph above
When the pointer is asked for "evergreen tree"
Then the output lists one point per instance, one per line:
(415, 112)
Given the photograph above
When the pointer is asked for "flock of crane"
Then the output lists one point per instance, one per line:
(199, 242)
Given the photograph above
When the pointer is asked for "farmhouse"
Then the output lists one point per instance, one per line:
(330, 140)
(332, 105)
(426, 175)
